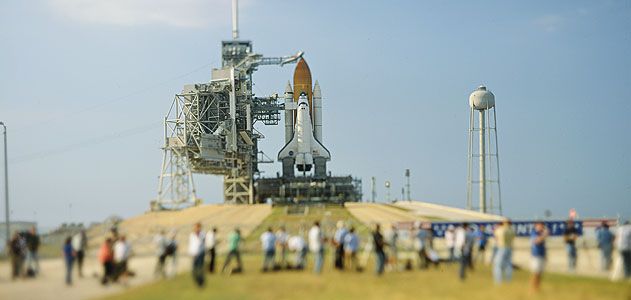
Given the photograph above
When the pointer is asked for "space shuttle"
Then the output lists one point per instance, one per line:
(303, 148)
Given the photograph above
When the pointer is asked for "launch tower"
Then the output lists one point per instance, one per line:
(209, 128)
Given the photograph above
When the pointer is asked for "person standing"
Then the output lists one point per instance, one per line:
(380, 255)
(161, 245)
(122, 253)
(17, 251)
(450, 241)
(234, 239)
(281, 241)
(196, 246)
(464, 245)
(316, 245)
(503, 258)
(106, 258)
(538, 251)
(80, 245)
(171, 251)
(481, 242)
(338, 242)
(392, 236)
(69, 255)
(623, 243)
(605, 243)
(422, 245)
(211, 243)
(297, 245)
(268, 245)
(351, 246)
(570, 234)
(32, 247)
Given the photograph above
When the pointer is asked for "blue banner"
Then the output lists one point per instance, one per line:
(522, 228)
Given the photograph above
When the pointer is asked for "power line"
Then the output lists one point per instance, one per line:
(116, 99)
(86, 143)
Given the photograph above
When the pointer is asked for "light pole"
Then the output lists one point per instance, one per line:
(6, 182)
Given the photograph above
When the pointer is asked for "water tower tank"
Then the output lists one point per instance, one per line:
(481, 99)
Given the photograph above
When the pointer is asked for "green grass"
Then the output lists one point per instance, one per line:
(441, 283)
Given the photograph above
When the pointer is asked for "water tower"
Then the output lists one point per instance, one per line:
(482, 157)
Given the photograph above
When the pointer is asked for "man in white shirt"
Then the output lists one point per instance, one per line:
(80, 245)
(450, 240)
(316, 245)
(298, 246)
(211, 242)
(268, 244)
(623, 243)
(196, 246)
(122, 252)
(281, 241)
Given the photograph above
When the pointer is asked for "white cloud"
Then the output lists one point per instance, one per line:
(176, 13)
(549, 23)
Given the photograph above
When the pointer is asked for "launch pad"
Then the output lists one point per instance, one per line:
(308, 190)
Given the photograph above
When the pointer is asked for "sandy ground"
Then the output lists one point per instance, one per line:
(369, 213)
(141, 230)
(51, 282)
(436, 211)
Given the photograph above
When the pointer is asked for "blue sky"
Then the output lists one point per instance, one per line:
(85, 85)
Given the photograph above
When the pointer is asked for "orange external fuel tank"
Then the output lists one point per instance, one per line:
(302, 84)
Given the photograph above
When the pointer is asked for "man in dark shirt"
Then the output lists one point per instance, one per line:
(569, 236)
(32, 245)
(17, 251)
(379, 245)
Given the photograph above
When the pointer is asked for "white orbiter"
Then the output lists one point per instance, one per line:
(304, 148)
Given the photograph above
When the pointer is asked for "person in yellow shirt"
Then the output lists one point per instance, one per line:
(503, 259)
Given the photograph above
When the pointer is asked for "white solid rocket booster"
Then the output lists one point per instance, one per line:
(317, 112)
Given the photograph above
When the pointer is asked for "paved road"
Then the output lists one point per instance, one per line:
(50, 284)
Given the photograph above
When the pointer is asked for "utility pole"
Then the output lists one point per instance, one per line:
(6, 184)
(373, 186)
(407, 185)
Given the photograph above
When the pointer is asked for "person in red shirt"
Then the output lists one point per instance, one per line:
(106, 258)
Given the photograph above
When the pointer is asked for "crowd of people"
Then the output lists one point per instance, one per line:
(113, 255)
(23, 248)
(466, 246)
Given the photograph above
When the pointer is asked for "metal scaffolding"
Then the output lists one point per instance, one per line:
(209, 129)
